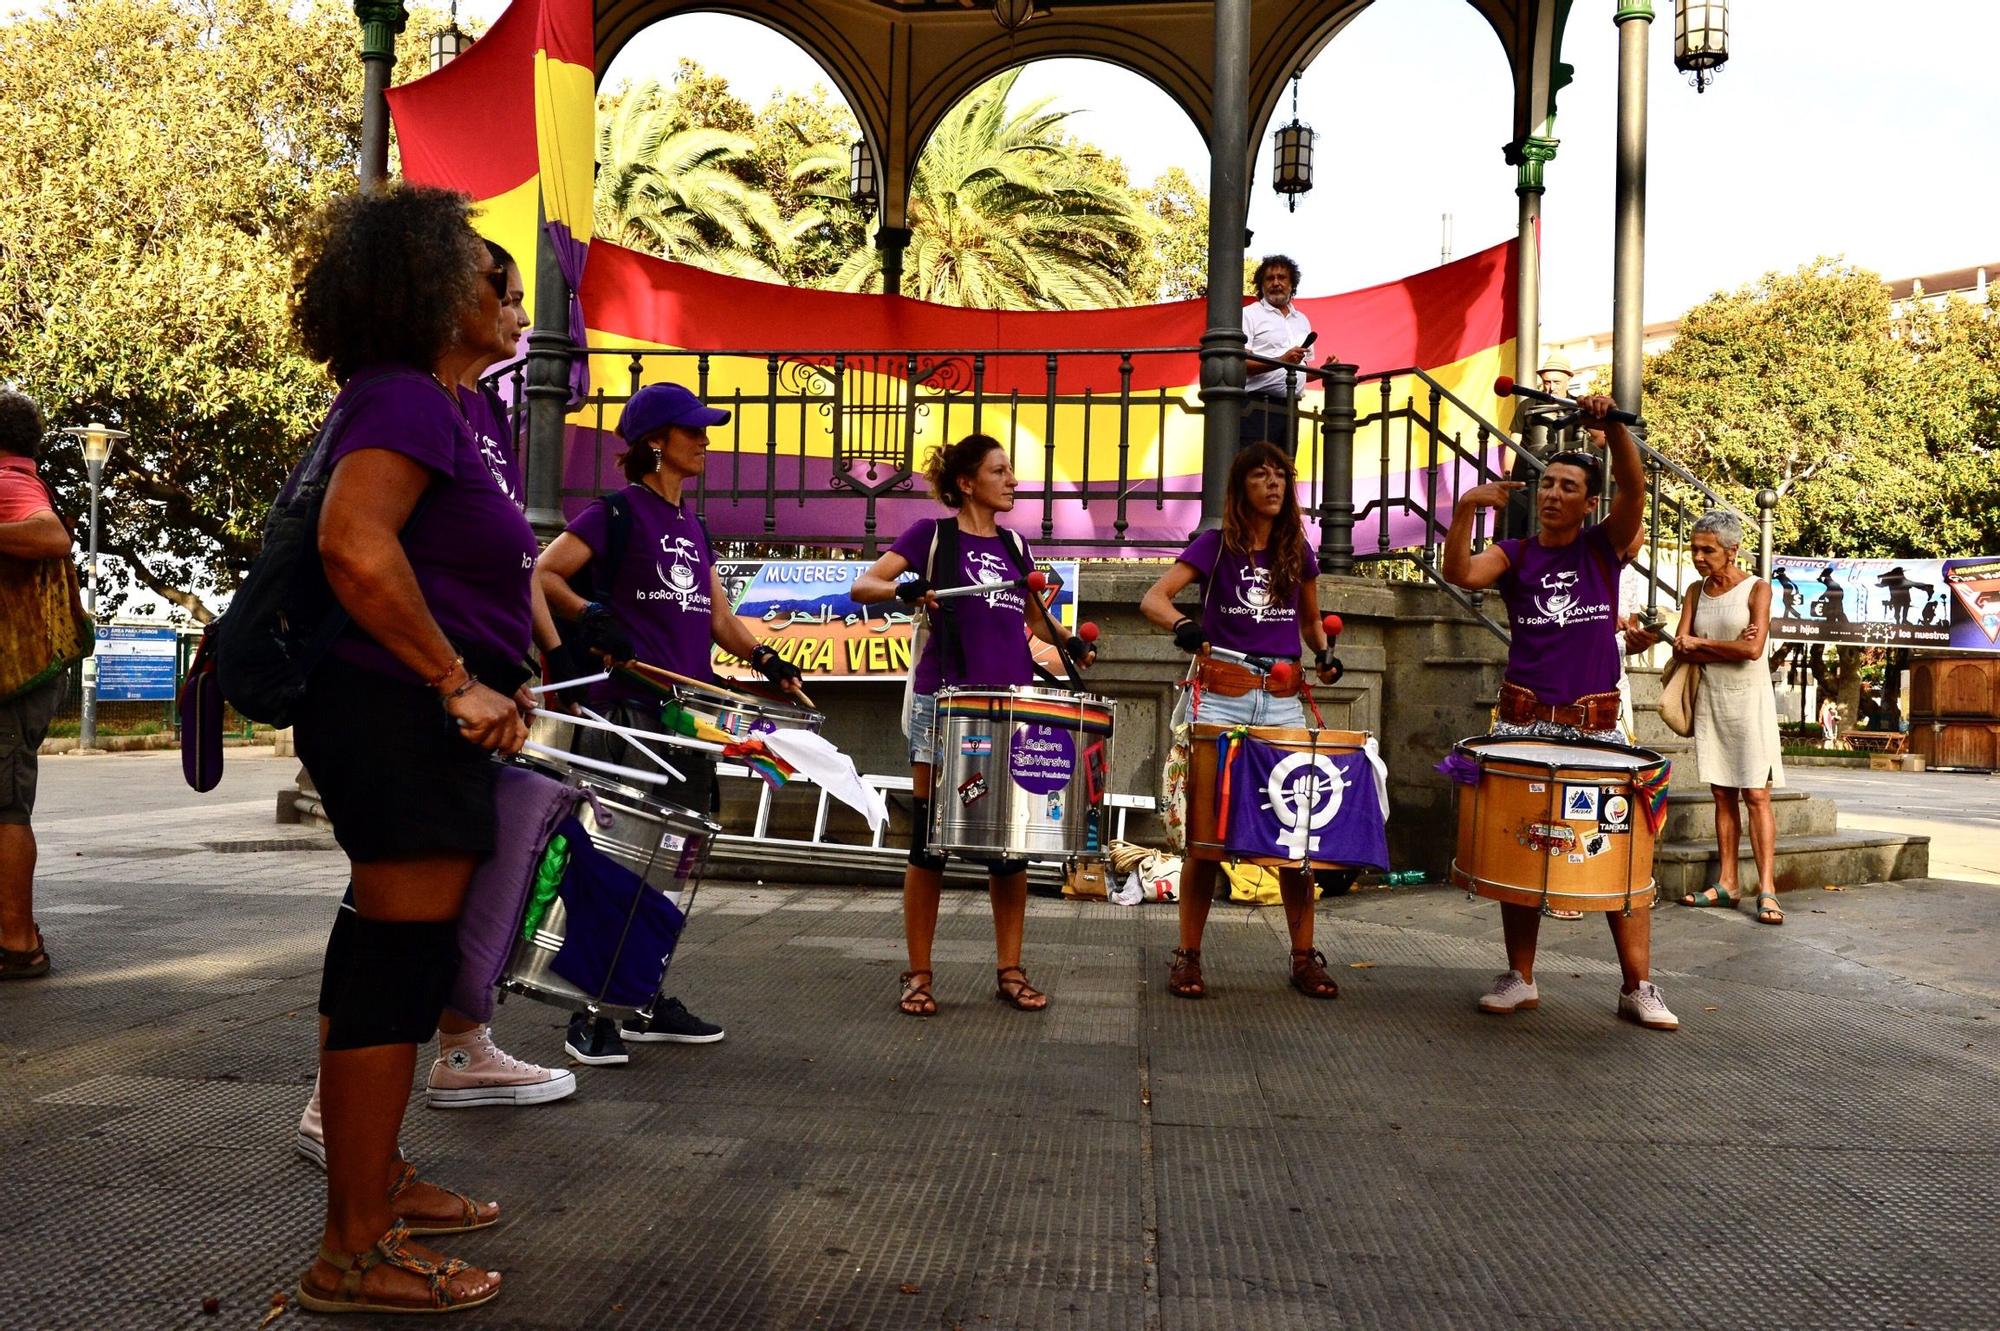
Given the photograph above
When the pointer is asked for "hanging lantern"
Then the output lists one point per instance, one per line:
(1292, 156)
(449, 42)
(861, 185)
(1701, 39)
(1011, 14)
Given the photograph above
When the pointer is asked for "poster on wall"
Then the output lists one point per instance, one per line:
(1935, 604)
(804, 609)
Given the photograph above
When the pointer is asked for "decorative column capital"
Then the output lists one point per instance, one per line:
(1631, 9)
(1534, 154)
(382, 21)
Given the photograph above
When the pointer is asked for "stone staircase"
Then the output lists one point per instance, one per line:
(1812, 850)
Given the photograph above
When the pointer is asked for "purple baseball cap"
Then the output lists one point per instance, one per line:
(657, 406)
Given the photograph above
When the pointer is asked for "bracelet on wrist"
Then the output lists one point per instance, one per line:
(471, 682)
(444, 674)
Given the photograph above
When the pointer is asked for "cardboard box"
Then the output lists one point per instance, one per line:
(1086, 878)
(1882, 762)
(1910, 762)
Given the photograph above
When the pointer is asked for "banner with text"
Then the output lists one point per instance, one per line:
(1935, 604)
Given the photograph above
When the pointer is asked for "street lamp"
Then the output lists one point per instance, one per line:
(1011, 14)
(97, 440)
(449, 42)
(1701, 39)
(861, 175)
(1292, 156)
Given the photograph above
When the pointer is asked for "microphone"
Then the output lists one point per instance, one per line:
(1311, 338)
(1505, 386)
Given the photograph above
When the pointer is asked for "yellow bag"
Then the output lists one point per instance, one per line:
(1256, 884)
(43, 630)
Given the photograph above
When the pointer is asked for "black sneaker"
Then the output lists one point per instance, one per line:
(673, 1022)
(595, 1042)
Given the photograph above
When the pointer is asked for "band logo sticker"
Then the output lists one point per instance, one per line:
(1579, 804)
(1041, 759)
(1555, 838)
(972, 789)
(975, 746)
(1614, 813)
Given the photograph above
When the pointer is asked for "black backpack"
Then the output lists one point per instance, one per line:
(284, 617)
(594, 580)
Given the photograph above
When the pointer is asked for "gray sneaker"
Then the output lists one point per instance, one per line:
(1645, 1006)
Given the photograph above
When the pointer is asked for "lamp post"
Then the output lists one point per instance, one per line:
(1292, 155)
(96, 439)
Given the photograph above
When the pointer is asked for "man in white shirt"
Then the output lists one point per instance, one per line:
(1273, 327)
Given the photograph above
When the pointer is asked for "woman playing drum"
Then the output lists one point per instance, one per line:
(1561, 590)
(655, 595)
(1260, 596)
(975, 641)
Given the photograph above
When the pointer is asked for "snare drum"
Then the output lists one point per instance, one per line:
(743, 715)
(1558, 824)
(1020, 772)
(1304, 795)
(666, 847)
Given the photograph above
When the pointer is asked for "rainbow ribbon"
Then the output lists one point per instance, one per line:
(1651, 784)
(1226, 746)
(774, 770)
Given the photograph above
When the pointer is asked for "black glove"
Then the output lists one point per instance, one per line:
(1188, 636)
(1324, 659)
(766, 662)
(559, 663)
(598, 630)
(913, 591)
(1077, 650)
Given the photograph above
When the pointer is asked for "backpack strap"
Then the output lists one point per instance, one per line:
(617, 536)
(943, 569)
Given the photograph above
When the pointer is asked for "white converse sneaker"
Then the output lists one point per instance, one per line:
(1509, 994)
(472, 1070)
(311, 1139)
(1645, 1006)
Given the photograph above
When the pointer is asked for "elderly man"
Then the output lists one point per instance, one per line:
(1275, 328)
(30, 535)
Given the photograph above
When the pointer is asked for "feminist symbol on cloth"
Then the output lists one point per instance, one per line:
(1303, 792)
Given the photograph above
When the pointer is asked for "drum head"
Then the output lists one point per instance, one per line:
(1587, 754)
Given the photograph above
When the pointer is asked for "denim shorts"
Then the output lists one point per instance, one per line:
(923, 728)
(1256, 708)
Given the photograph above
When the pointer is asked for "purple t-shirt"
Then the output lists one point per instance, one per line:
(496, 442)
(992, 629)
(1237, 611)
(663, 592)
(1564, 604)
(471, 548)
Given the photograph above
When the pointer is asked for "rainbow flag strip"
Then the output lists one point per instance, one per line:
(1651, 784)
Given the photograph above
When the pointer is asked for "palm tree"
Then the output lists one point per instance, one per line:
(682, 193)
(1006, 213)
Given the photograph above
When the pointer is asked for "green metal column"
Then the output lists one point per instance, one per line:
(1628, 278)
(1535, 154)
(381, 22)
(1228, 201)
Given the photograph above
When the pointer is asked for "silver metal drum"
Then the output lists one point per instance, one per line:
(1019, 772)
(665, 846)
(743, 715)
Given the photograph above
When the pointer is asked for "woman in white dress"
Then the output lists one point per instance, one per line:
(1725, 627)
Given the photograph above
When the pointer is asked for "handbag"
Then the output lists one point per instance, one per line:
(1680, 683)
(43, 627)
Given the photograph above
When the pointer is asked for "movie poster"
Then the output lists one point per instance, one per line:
(1939, 605)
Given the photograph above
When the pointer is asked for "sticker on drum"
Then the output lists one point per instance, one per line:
(1537, 787)
(1579, 804)
(1041, 759)
(1552, 837)
(1595, 844)
(1614, 813)
(976, 746)
(972, 789)
(1055, 808)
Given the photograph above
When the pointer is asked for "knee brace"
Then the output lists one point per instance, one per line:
(921, 854)
(396, 978)
(1001, 868)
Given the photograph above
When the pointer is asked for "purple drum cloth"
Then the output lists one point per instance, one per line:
(529, 808)
(620, 930)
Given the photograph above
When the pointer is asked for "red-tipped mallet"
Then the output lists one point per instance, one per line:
(1087, 630)
(1280, 673)
(1332, 625)
(1038, 581)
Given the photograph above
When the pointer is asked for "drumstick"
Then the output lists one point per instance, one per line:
(1035, 582)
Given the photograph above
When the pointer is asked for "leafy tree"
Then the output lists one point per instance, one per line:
(1176, 268)
(1004, 216)
(160, 155)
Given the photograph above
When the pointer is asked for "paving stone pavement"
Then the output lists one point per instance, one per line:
(1819, 1146)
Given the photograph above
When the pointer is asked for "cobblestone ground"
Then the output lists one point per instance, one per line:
(1819, 1146)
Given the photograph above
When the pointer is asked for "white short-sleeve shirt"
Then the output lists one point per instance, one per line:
(1272, 334)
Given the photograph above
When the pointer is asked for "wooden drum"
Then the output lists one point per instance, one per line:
(1557, 824)
(1309, 779)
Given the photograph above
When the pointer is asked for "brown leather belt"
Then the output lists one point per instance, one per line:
(1593, 711)
(1233, 681)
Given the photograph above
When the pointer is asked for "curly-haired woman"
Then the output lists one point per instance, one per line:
(433, 561)
(975, 642)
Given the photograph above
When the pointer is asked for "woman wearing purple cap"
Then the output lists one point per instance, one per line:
(1260, 596)
(433, 561)
(655, 596)
(975, 641)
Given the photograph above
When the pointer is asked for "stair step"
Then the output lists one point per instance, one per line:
(1803, 862)
(1691, 815)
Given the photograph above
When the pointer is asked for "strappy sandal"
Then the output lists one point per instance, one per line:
(1021, 991)
(1713, 896)
(24, 963)
(916, 1000)
(389, 1250)
(1770, 914)
(1309, 975)
(406, 1178)
(1184, 974)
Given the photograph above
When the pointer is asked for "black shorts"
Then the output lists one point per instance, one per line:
(396, 778)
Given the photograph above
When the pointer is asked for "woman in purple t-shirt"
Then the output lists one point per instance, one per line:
(1561, 590)
(977, 641)
(1260, 596)
(432, 561)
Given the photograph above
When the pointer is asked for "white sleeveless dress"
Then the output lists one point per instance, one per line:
(1736, 713)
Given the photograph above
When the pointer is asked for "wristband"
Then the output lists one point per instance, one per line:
(471, 682)
(444, 674)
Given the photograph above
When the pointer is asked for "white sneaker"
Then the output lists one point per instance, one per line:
(311, 1139)
(1510, 993)
(1645, 1006)
(472, 1070)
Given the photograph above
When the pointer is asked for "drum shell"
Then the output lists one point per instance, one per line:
(742, 715)
(1515, 847)
(665, 845)
(1010, 821)
(1202, 842)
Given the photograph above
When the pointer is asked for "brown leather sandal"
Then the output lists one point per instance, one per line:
(916, 1000)
(406, 1178)
(389, 1250)
(1017, 993)
(1184, 974)
(24, 963)
(1309, 975)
